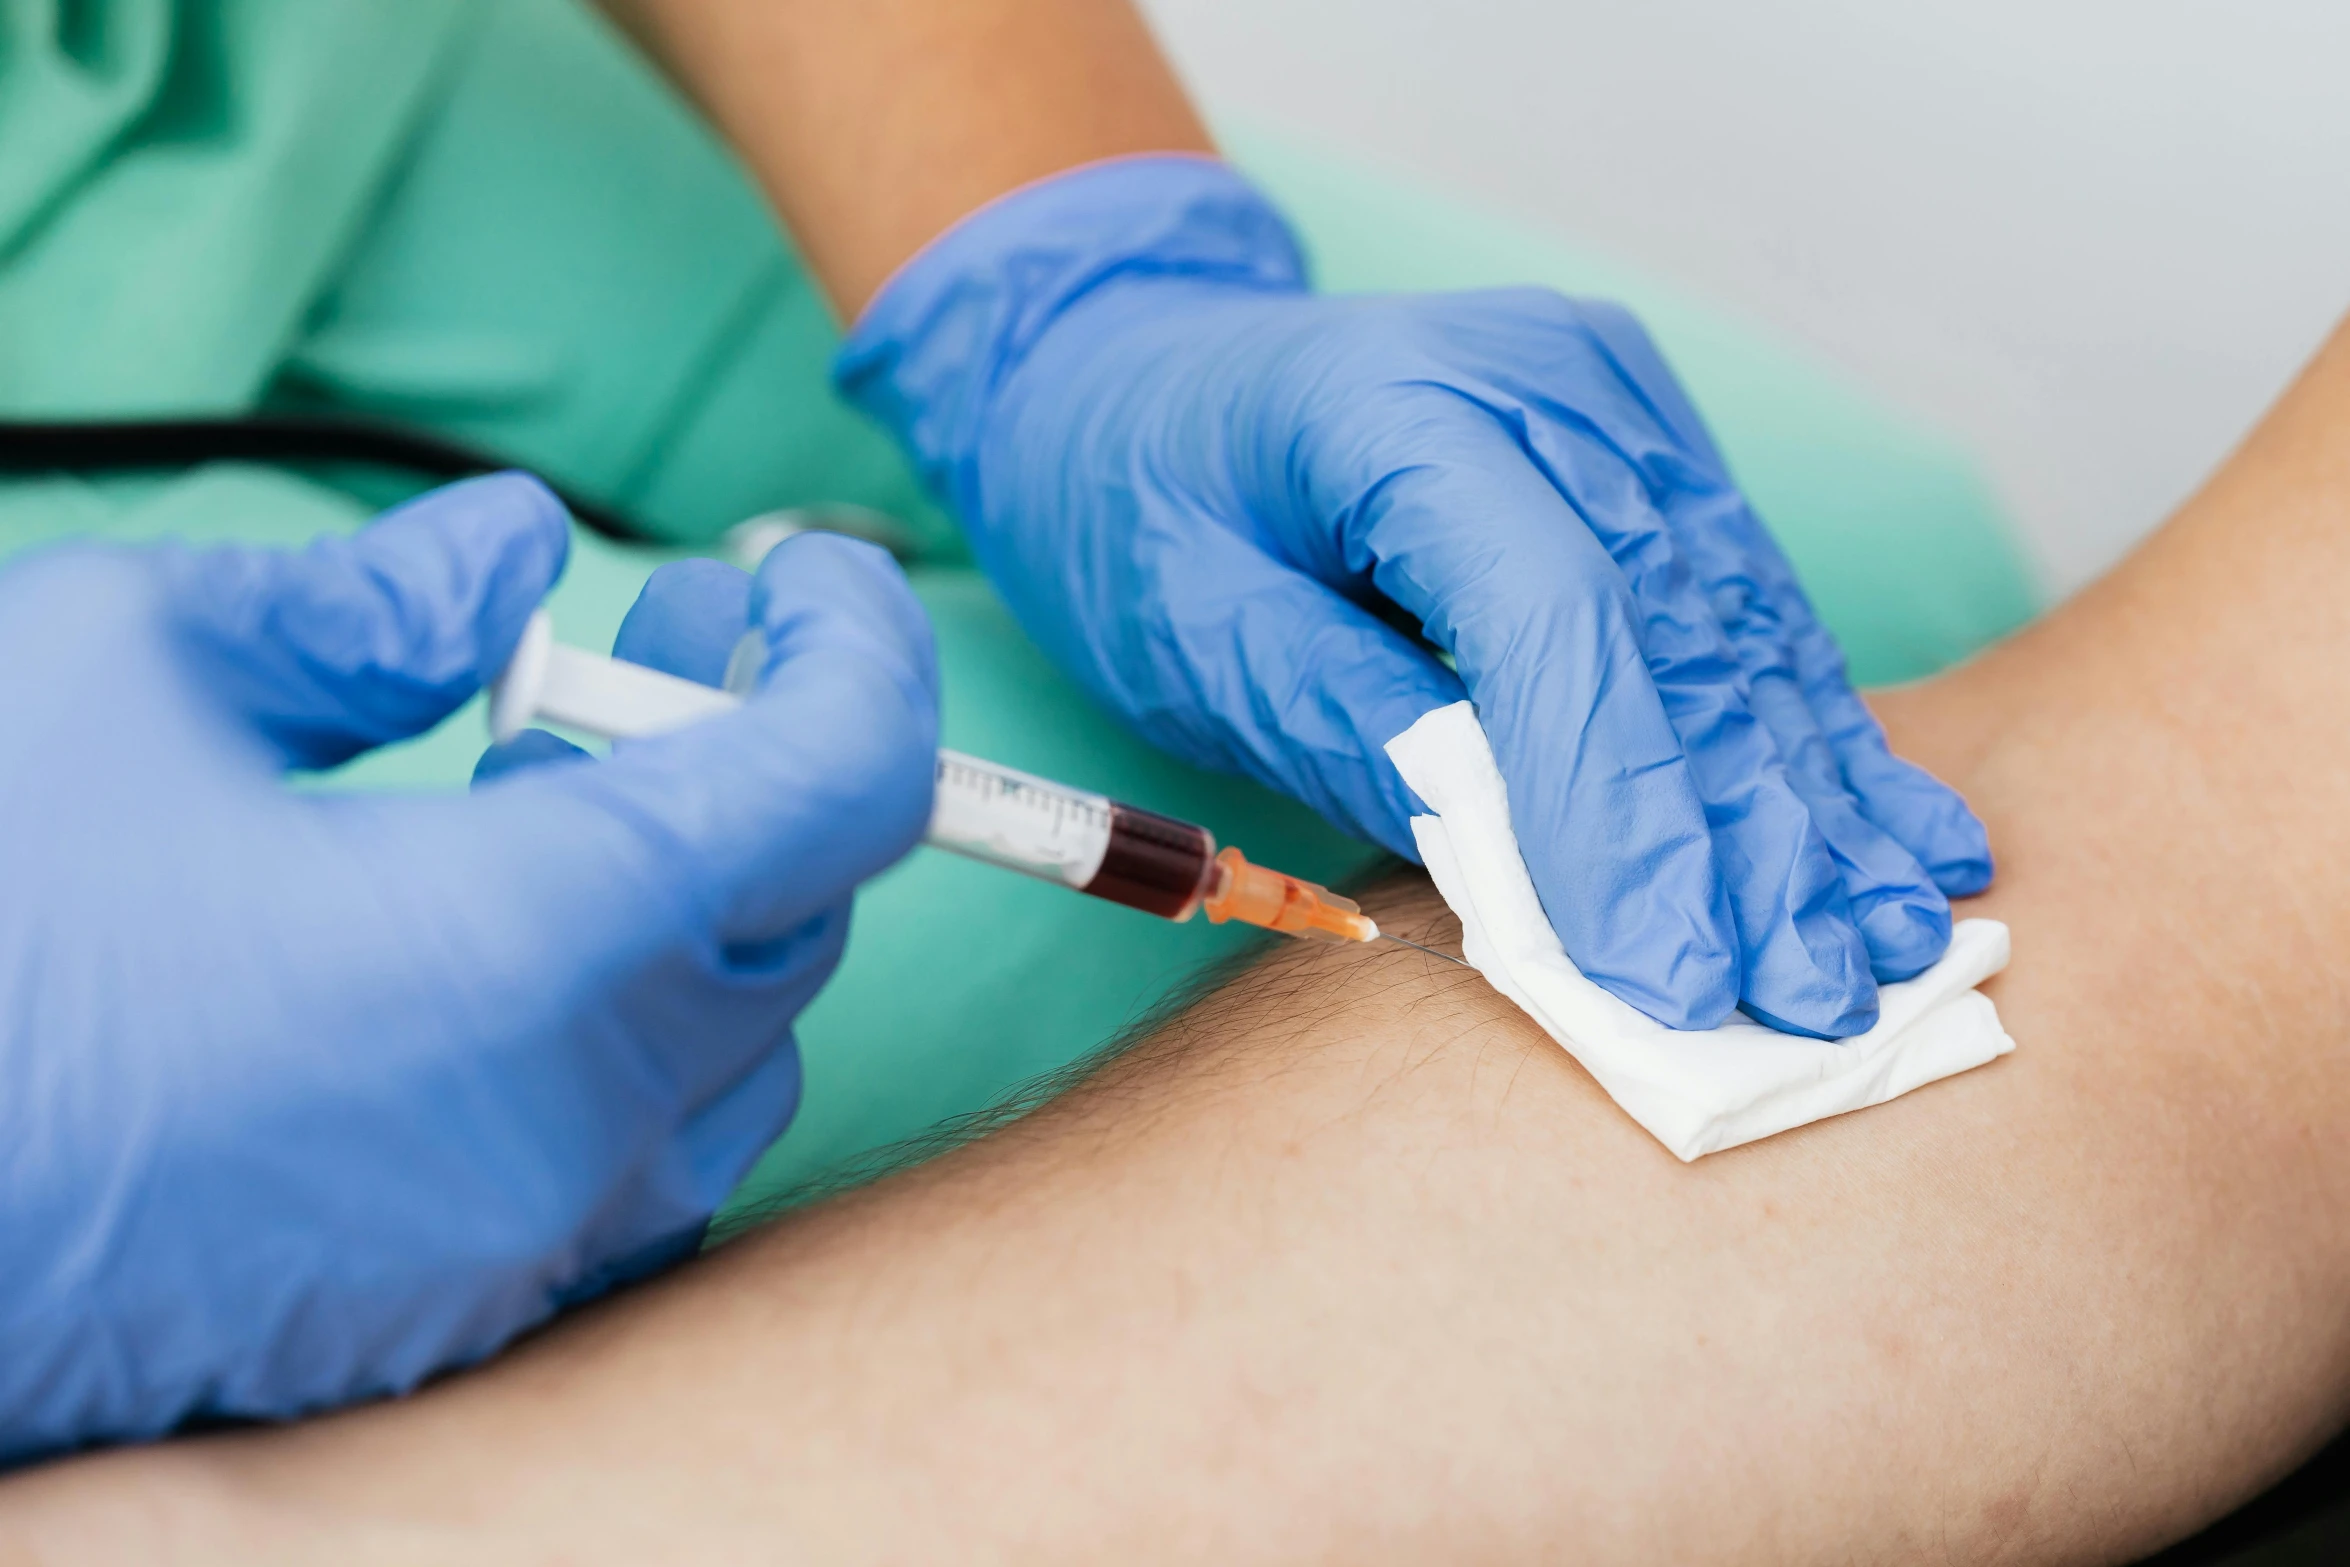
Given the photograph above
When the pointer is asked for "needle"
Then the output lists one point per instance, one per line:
(1416, 947)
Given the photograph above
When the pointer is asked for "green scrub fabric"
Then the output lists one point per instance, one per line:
(489, 218)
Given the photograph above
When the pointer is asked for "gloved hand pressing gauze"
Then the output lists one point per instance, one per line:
(1183, 470)
(1699, 1091)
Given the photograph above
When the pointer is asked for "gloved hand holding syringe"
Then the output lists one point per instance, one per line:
(988, 812)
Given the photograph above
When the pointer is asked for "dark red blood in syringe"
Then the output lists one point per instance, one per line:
(1154, 863)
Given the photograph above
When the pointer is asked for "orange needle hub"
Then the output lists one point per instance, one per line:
(1255, 895)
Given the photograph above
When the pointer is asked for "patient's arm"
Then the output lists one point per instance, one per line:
(1351, 1263)
(876, 124)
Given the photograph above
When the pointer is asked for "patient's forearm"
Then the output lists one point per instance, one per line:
(1352, 1264)
(874, 125)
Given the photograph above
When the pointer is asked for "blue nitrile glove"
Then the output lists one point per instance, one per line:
(1193, 480)
(304, 1096)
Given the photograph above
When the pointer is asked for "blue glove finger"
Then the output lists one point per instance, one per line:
(1607, 811)
(826, 592)
(1709, 558)
(835, 785)
(764, 817)
(749, 1115)
(1298, 688)
(1902, 916)
(1739, 900)
(687, 620)
(1923, 815)
(1619, 336)
(531, 748)
(702, 878)
(1808, 965)
(362, 640)
(1900, 906)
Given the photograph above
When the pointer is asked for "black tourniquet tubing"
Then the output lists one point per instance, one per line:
(102, 446)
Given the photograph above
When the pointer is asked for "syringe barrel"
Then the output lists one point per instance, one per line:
(1079, 839)
(1019, 821)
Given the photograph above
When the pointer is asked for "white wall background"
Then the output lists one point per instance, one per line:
(2092, 238)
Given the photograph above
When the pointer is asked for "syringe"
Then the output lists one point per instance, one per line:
(1001, 815)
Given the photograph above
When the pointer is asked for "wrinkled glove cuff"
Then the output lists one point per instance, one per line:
(936, 344)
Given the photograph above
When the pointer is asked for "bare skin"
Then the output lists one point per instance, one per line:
(875, 125)
(1350, 1263)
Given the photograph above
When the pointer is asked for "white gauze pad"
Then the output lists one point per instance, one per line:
(1699, 1091)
